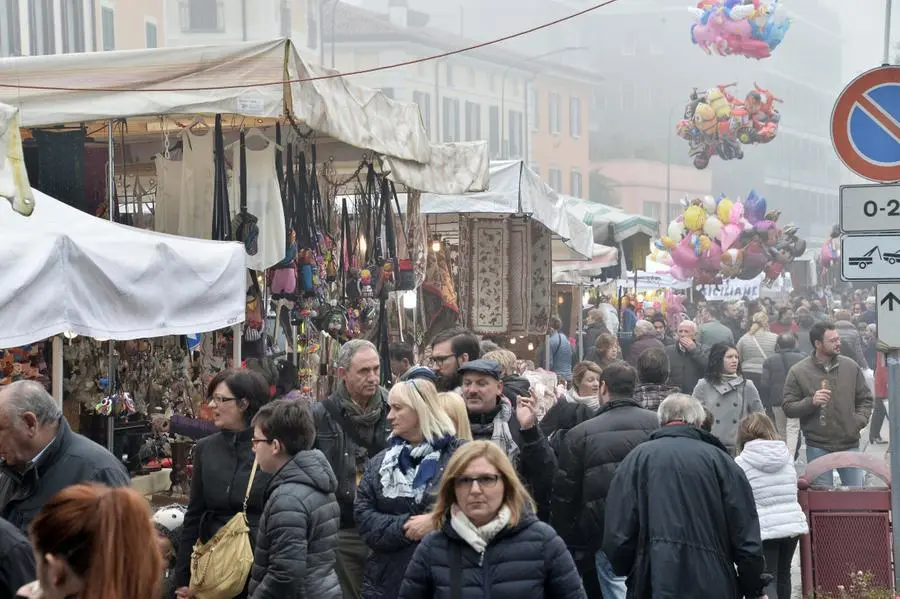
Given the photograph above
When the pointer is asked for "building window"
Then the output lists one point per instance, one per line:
(554, 178)
(423, 101)
(575, 184)
(494, 131)
(202, 15)
(72, 25)
(534, 109)
(515, 134)
(312, 23)
(40, 27)
(10, 37)
(652, 210)
(108, 20)
(151, 35)
(473, 121)
(554, 117)
(450, 119)
(575, 117)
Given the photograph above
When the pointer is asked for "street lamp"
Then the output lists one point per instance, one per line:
(503, 145)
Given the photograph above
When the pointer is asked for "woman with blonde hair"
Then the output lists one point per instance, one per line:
(580, 403)
(488, 542)
(756, 346)
(455, 407)
(769, 466)
(95, 542)
(400, 484)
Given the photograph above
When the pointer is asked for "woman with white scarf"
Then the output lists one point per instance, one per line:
(488, 542)
(580, 403)
(400, 484)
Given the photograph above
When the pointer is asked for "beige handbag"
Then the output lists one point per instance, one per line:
(219, 567)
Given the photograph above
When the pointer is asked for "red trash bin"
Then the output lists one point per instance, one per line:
(849, 527)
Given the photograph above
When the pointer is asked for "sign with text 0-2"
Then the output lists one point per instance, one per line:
(870, 208)
(870, 257)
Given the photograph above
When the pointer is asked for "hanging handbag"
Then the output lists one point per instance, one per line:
(219, 567)
(253, 325)
(245, 226)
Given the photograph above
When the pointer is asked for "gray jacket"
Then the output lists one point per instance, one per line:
(298, 533)
(755, 350)
(729, 401)
(713, 332)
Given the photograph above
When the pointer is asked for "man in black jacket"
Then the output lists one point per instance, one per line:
(301, 510)
(687, 358)
(588, 459)
(351, 428)
(40, 455)
(680, 516)
(774, 374)
(16, 560)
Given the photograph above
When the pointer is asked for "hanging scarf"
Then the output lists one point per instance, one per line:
(365, 417)
(478, 537)
(591, 401)
(499, 430)
(407, 470)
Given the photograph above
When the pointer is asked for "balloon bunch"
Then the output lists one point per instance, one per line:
(720, 238)
(751, 28)
(717, 123)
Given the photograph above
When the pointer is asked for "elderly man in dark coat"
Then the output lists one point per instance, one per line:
(704, 536)
(644, 339)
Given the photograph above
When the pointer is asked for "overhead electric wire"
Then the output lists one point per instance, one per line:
(321, 77)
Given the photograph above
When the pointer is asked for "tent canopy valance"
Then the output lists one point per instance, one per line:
(516, 189)
(611, 225)
(257, 80)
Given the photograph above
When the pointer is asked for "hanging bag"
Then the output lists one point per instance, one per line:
(219, 567)
(245, 226)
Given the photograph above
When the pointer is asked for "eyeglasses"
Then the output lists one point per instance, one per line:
(485, 481)
(220, 398)
(254, 442)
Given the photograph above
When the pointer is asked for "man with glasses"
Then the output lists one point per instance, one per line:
(40, 455)
(450, 350)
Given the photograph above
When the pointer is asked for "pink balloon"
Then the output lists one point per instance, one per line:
(737, 213)
(683, 254)
(666, 259)
(729, 235)
(682, 274)
(711, 259)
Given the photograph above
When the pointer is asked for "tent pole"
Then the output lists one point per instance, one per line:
(237, 331)
(57, 375)
(111, 193)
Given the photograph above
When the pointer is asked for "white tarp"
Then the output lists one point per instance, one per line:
(602, 217)
(243, 79)
(63, 270)
(13, 176)
(516, 189)
(582, 271)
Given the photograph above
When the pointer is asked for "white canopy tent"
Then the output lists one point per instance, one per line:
(257, 80)
(67, 271)
(580, 272)
(516, 189)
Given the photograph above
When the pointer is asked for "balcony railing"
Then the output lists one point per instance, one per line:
(202, 16)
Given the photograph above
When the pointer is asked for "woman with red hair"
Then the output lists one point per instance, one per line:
(95, 542)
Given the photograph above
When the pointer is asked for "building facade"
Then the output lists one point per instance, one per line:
(478, 95)
(39, 27)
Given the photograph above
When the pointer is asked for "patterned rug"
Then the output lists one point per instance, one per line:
(489, 312)
(540, 261)
(519, 261)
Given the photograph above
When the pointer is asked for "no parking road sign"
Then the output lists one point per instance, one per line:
(865, 125)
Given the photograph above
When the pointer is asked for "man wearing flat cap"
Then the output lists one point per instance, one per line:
(492, 418)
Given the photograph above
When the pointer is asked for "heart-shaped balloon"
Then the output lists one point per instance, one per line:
(737, 213)
(711, 259)
(729, 235)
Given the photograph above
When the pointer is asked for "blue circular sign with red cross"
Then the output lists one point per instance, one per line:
(865, 125)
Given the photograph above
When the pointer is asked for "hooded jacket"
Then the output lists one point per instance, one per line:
(845, 415)
(298, 533)
(681, 520)
(68, 460)
(527, 560)
(769, 467)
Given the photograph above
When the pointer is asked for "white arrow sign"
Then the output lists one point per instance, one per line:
(888, 296)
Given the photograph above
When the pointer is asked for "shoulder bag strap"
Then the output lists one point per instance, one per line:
(455, 570)
(250, 484)
(759, 347)
(349, 429)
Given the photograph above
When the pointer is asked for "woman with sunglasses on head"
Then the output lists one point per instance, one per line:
(222, 467)
(488, 542)
(399, 486)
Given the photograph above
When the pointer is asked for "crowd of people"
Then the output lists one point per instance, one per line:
(466, 478)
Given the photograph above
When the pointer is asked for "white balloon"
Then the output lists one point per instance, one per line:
(675, 231)
(712, 227)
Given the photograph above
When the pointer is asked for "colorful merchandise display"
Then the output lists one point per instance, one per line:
(720, 238)
(718, 123)
(750, 28)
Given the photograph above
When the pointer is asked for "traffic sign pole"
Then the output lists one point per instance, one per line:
(887, 60)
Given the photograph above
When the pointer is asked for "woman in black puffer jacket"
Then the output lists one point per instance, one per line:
(399, 486)
(488, 543)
